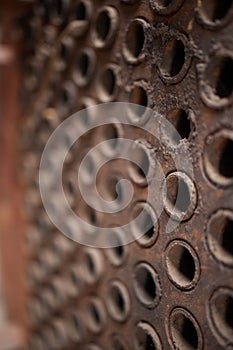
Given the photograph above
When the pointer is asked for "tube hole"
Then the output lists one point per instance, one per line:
(135, 41)
(87, 171)
(218, 157)
(221, 309)
(146, 337)
(110, 133)
(93, 265)
(181, 121)
(181, 197)
(145, 229)
(81, 11)
(96, 315)
(138, 96)
(117, 254)
(85, 67)
(173, 58)
(107, 84)
(147, 285)
(223, 84)
(184, 331)
(118, 301)
(217, 86)
(75, 327)
(220, 236)
(182, 265)
(139, 170)
(105, 26)
(216, 10)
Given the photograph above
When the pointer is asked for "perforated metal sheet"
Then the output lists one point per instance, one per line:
(165, 291)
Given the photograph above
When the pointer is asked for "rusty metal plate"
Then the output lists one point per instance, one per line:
(164, 290)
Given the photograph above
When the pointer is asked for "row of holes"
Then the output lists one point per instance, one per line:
(184, 330)
(211, 13)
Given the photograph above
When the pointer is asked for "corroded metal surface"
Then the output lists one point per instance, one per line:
(165, 291)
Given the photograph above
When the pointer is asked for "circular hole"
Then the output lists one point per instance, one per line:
(147, 285)
(181, 197)
(182, 265)
(75, 327)
(88, 113)
(220, 236)
(111, 133)
(216, 86)
(117, 254)
(181, 121)
(145, 229)
(87, 171)
(138, 95)
(135, 41)
(218, 157)
(81, 13)
(105, 26)
(107, 84)
(146, 337)
(215, 13)
(185, 332)
(173, 58)
(93, 265)
(218, 75)
(85, 67)
(118, 301)
(96, 315)
(139, 170)
(67, 98)
(221, 310)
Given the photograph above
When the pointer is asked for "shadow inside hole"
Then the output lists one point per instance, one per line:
(138, 96)
(223, 310)
(165, 3)
(108, 82)
(103, 25)
(217, 10)
(95, 315)
(84, 64)
(141, 166)
(81, 12)
(145, 224)
(181, 265)
(145, 341)
(178, 194)
(146, 284)
(111, 134)
(180, 119)
(118, 301)
(225, 162)
(184, 333)
(135, 39)
(227, 237)
(224, 83)
(174, 58)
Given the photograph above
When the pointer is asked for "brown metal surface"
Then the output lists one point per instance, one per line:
(165, 291)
